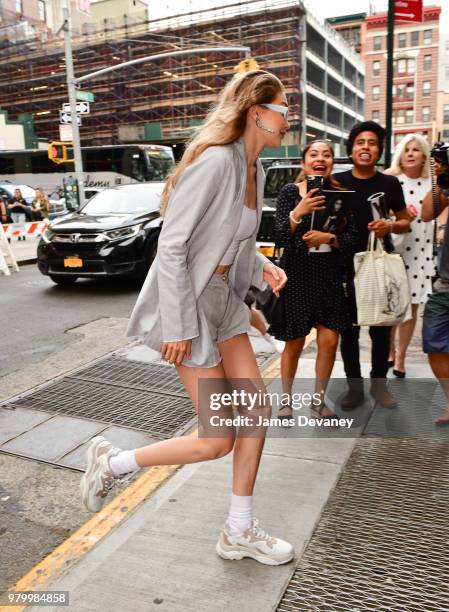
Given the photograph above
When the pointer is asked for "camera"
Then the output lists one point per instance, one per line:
(440, 154)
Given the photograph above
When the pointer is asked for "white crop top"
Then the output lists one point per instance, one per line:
(247, 226)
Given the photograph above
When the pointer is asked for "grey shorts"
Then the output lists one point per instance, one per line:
(222, 314)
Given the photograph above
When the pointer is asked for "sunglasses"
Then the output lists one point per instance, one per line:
(283, 110)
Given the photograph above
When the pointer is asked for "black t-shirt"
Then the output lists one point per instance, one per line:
(374, 198)
(17, 209)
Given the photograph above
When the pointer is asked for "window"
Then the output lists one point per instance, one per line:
(375, 115)
(446, 73)
(446, 113)
(425, 113)
(315, 75)
(333, 115)
(427, 37)
(427, 63)
(402, 65)
(334, 58)
(414, 39)
(376, 68)
(377, 43)
(426, 87)
(399, 118)
(410, 91)
(42, 10)
(333, 87)
(445, 134)
(409, 115)
(410, 66)
(402, 40)
(19, 6)
(375, 93)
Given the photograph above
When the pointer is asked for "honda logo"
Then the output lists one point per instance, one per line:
(75, 237)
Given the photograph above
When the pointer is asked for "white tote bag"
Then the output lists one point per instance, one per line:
(381, 286)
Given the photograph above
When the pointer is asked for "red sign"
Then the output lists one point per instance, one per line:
(408, 10)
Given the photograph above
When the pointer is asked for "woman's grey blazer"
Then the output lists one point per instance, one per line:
(202, 218)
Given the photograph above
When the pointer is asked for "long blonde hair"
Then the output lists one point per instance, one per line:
(396, 166)
(226, 121)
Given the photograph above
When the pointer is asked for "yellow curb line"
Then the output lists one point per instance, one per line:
(88, 535)
(57, 563)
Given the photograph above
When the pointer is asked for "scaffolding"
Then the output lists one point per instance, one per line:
(175, 93)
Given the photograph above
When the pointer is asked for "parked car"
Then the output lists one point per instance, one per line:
(114, 235)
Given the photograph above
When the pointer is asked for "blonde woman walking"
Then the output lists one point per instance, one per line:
(192, 308)
(411, 166)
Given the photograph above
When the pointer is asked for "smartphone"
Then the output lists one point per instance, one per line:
(314, 181)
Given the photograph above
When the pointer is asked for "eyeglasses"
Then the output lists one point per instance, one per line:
(283, 110)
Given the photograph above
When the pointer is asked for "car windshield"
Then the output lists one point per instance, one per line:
(121, 201)
(27, 192)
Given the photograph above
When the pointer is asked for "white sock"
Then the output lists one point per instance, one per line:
(240, 514)
(123, 462)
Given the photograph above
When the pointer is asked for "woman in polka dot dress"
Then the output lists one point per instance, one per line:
(315, 293)
(411, 165)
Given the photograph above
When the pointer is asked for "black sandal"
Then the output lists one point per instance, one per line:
(285, 418)
(318, 410)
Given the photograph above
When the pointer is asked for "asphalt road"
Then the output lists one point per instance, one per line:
(46, 330)
(36, 314)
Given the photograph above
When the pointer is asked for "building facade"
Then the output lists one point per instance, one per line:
(163, 100)
(350, 29)
(442, 116)
(415, 83)
(335, 87)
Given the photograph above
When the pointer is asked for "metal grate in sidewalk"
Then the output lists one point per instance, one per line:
(381, 543)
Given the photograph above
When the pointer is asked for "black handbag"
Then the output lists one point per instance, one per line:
(271, 306)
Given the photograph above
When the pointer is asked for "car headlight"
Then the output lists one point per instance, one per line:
(47, 235)
(124, 232)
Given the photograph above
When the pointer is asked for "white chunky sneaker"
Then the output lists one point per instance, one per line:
(98, 479)
(254, 543)
(277, 345)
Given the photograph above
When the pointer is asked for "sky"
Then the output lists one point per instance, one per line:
(165, 8)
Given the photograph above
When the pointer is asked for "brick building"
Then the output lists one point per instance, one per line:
(415, 84)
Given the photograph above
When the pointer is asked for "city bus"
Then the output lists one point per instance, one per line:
(103, 166)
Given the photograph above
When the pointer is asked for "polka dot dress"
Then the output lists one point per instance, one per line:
(314, 293)
(416, 247)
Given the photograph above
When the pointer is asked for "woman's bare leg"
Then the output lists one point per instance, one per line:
(405, 335)
(240, 366)
(391, 354)
(257, 321)
(192, 448)
(289, 365)
(327, 342)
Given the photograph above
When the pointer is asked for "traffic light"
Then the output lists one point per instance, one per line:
(60, 152)
(246, 65)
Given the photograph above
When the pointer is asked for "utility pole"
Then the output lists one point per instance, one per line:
(303, 77)
(389, 104)
(72, 100)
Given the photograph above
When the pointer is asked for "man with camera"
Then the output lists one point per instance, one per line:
(436, 312)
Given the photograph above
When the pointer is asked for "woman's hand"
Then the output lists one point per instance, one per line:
(314, 238)
(412, 212)
(174, 352)
(275, 277)
(381, 227)
(308, 204)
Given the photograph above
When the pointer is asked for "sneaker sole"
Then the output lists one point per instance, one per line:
(236, 554)
(91, 462)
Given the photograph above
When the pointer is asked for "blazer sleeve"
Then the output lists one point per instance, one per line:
(257, 279)
(189, 200)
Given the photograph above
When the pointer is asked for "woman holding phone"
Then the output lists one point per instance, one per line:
(315, 294)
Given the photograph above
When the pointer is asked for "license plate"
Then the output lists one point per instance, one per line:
(73, 262)
(268, 251)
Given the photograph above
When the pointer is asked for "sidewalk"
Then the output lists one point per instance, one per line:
(163, 556)
(25, 251)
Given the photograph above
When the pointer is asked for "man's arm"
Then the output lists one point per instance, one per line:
(428, 212)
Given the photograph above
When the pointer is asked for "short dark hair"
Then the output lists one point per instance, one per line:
(365, 126)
